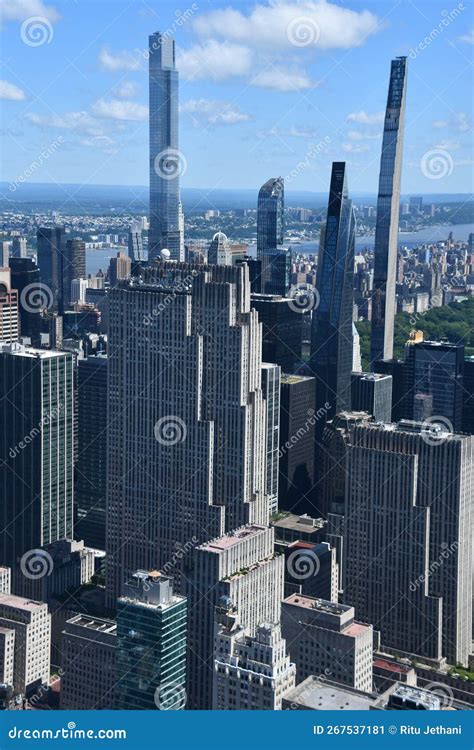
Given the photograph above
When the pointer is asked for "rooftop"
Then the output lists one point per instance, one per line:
(20, 602)
(94, 623)
(27, 351)
(234, 537)
(300, 523)
(320, 605)
(287, 379)
(325, 695)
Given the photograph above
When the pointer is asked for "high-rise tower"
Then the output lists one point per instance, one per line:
(270, 216)
(388, 205)
(166, 161)
(331, 338)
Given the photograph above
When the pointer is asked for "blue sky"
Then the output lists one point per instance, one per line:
(263, 87)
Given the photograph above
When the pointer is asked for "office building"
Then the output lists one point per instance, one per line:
(36, 441)
(9, 315)
(5, 580)
(194, 428)
(91, 474)
(388, 205)
(468, 396)
(120, 268)
(291, 528)
(436, 370)
(297, 443)
(7, 656)
(67, 565)
(25, 278)
(325, 639)
(31, 625)
(250, 673)
(5, 248)
(151, 645)
(356, 355)
(312, 569)
(219, 253)
(88, 647)
(166, 161)
(135, 244)
(333, 451)
(240, 568)
(19, 248)
(50, 243)
(372, 392)
(407, 544)
(74, 267)
(78, 291)
(271, 396)
(270, 216)
(282, 330)
(331, 335)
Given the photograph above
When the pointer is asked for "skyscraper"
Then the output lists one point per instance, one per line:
(282, 330)
(331, 335)
(36, 444)
(239, 569)
(74, 267)
(166, 161)
(91, 475)
(135, 243)
(50, 257)
(372, 392)
(271, 394)
(219, 251)
(151, 645)
(388, 206)
(9, 317)
(186, 414)
(270, 215)
(407, 537)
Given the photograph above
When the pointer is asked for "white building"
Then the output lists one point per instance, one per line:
(241, 568)
(324, 639)
(250, 673)
(31, 624)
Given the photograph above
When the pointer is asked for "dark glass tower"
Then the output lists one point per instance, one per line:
(74, 267)
(50, 250)
(331, 335)
(388, 206)
(270, 216)
(166, 162)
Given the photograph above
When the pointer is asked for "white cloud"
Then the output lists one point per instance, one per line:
(19, 10)
(114, 109)
(126, 89)
(101, 142)
(11, 92)
(355, 148)
(214, 60)
(283, 80)
(213, 112)
(293, 132)
(123, 60)
(78, 122)
(468, 38)
(359, 135)
(462, 122)
(364, 118)
(440, 124)
(326, 25)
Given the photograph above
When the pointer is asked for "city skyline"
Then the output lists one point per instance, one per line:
(256, 116)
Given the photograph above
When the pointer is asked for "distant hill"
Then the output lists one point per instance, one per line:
(134, 198)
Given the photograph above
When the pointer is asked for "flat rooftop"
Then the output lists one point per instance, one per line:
(20, 602)
(300, 523)
(320, 605)
(94, 623)
(229, 540)
(27, 351)
(292, 379)
(324, 695)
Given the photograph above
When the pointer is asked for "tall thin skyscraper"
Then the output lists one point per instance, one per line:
(50, 252)
(388, 206)
(270, 216)
(74, 267)
(331, 336)
(186, 436)
(166, 161)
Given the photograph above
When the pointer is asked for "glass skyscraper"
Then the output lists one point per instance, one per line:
(270, 216)
(166, 161)
(331, 337)
(388, 206)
